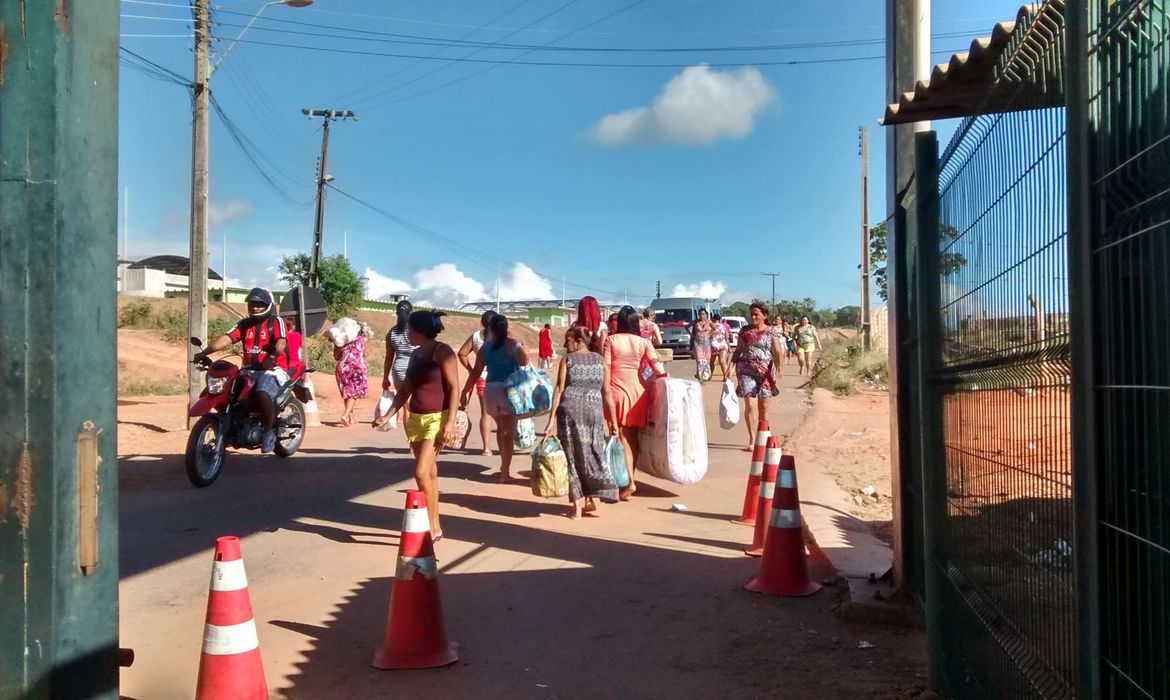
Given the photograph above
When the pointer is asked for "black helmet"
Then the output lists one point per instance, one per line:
(263, 297)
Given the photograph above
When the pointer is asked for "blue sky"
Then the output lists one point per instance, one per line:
(611, 178)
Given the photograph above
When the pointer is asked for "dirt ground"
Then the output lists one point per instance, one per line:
(640, 602)
(848, 438)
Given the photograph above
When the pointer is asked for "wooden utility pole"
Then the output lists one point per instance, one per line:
(773, 275)
(865, 314)
(197, 268)
(329, 115)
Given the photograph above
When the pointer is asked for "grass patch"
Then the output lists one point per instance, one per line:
(151, 387)
(843, 364)
(172, 322)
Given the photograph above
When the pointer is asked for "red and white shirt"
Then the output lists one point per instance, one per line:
(259, 337)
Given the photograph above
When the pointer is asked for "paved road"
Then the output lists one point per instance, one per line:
(639, 602)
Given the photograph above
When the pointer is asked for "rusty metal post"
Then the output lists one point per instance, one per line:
(58, 263)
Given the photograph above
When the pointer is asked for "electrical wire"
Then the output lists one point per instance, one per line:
(256, 157)
(388, 76)
(144, 65)
(472, 254)
(466, 58)
(463, 42)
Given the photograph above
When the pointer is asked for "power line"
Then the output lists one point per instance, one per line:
(420, 40)
(566, 35)
(567, 64)
(256, 158)
(142, 64)
(473, 255)
(434, 53)
(468, 57)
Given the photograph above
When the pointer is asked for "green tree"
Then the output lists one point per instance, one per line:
(848, 316)
(340, 285)
(789, 308)
(950, 263)
(825, 318)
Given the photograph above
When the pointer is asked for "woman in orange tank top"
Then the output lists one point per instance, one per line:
(624, 354)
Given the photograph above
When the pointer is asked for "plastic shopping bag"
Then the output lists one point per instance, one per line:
(525, 436)
(383, 406)
(729, 406)
(462, 430)
(615, 462)
(550, 469)
(529, 392)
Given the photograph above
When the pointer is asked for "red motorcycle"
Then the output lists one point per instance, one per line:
(226, 418)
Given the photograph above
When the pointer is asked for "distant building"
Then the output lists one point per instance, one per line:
(160, 275)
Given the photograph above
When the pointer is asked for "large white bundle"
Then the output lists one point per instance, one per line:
(674, 443)
(344, 331)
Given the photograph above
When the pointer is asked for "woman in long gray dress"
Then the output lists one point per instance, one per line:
(578, 420)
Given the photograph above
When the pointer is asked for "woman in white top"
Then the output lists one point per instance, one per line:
(467, 356)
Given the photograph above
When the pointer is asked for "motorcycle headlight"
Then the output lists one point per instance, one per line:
(215, 385)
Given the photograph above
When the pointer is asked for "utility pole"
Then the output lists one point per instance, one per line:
(197, 268)
(773, 275)
(865, 320)
(658, 289)
(328, 115)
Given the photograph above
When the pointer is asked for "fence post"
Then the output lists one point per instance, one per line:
(58, 258)
(1082, 324)
(931, 452)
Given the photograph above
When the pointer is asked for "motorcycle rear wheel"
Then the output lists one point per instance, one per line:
(290, 429)
(205, 453)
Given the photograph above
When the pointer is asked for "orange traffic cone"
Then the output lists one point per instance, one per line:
(751, 494)
(415, 634)
(230, 666)
(784, 569)
(767, 489)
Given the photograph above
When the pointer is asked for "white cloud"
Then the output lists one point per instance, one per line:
(522, 282)
(705, 289)
(231, 210)
(379, 285)
(712, 290)
(447, 286)
(699, 106)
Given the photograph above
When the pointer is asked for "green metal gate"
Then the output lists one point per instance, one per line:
(1001, 512)
(993, 313)
(1120, 138)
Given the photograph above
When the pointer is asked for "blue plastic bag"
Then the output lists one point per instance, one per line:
(615, 462)
(529, 392)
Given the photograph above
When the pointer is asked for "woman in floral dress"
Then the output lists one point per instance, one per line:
(701, 334)
(578, 420)
(757, 361)
(351, 376)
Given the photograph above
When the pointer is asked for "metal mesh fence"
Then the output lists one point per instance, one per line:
(1005, 552)
(1129, 163)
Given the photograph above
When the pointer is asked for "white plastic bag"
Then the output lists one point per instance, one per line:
(344, 331)
(729, 406)
(383, 406)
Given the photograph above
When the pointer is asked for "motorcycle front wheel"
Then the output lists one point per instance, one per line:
(290, 429)
(205, 451)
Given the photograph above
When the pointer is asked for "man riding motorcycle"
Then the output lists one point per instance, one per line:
(265, 339)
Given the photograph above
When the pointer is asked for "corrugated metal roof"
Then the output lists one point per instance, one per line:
(1018, 67)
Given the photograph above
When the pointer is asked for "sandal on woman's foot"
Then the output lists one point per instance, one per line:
(590, 506)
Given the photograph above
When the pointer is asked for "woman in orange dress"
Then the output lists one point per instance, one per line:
(624, 354)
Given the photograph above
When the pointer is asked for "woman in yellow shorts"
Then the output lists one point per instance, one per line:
(434, 400)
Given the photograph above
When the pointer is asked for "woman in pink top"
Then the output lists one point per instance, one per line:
(624, 353)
